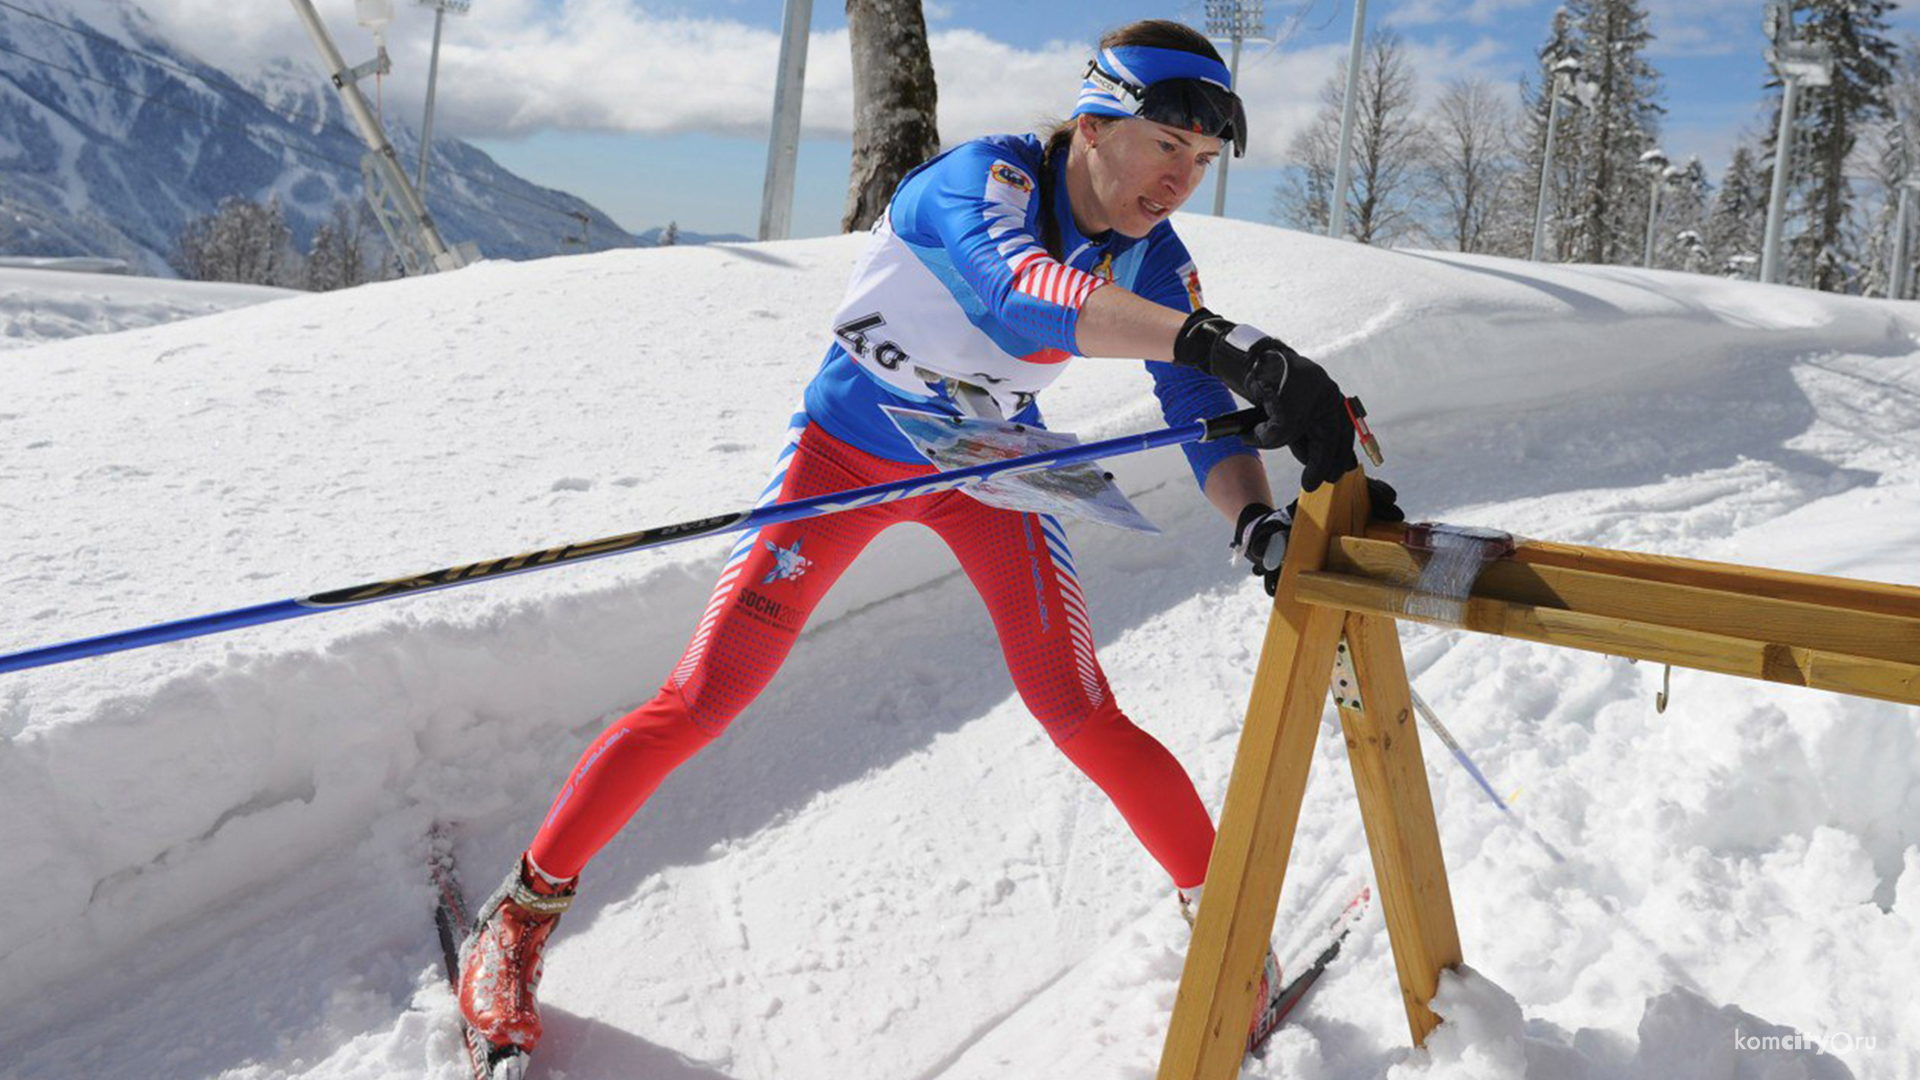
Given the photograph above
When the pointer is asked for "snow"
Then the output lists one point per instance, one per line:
(49, 302)
(884, 869)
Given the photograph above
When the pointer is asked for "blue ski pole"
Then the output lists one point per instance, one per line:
(738, 521)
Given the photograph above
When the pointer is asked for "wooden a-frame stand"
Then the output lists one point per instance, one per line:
(1344, 585)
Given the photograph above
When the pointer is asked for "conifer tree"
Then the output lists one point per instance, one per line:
(1680, 237)
(1891, 154)
(1828, 122)
(1737, 223)
(1620, 123)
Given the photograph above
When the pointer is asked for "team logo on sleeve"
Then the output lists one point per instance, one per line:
(1003, 173)
(1190, 274)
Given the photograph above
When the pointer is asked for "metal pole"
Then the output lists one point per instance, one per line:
(1337, 199)
(1653, 212)
(1546, 175)
(1897, 273)
(783, 145)
(1777, 200)
(1226, 152)
(433, 77)
(418, 222)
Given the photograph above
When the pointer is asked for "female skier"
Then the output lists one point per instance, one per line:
(995, 263)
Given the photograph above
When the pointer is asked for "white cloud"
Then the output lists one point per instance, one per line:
(516, 66)
(1453, 12)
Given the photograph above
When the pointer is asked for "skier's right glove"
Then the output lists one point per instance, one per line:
(1306, 412)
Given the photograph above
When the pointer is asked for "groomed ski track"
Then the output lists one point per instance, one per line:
(884, 870)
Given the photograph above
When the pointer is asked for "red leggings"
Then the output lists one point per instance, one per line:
(1022, 568)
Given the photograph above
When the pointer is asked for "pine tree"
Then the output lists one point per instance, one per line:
(669, 236)
(1828, 122)
(1737, 224)
(1891, 154)
(1680, 242)
(1620, 123)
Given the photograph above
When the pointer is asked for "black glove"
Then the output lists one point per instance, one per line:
(1261, 535)
(1306, 412)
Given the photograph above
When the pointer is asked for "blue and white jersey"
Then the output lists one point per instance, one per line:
(956, 284)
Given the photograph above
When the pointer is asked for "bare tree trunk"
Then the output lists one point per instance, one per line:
(894, 103)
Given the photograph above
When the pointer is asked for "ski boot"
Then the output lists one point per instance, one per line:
(502, 959)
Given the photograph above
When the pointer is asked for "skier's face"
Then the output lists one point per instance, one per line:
(1143, 171)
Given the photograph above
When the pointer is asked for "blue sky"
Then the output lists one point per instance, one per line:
(659, 113)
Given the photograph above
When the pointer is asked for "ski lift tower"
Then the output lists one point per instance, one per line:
(396, 205)
(1236, 21)
(440, 10)
(1798, 63)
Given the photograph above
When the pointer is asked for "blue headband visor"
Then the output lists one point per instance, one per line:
(1166, 86)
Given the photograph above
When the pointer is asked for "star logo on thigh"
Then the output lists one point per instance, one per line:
(788, 563)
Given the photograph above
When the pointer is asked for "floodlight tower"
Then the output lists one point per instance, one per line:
(1796, 62)
(1236, 21)
(1337, 198)
(440, 9)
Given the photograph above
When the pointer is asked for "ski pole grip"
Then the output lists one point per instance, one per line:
(1234, 423)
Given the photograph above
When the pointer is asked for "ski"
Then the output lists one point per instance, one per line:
(1282, 1004)
(484, 1060)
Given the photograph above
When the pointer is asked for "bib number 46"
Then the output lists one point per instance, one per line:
(855, 334)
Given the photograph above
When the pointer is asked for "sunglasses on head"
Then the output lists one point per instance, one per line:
(1188, 104)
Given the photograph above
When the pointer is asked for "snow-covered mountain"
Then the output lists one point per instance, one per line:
(883, 869)
(113, 138)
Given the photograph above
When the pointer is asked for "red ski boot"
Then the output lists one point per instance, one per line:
(501, 960)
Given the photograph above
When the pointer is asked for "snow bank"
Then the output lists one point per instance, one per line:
(885, 870)
(55, 299)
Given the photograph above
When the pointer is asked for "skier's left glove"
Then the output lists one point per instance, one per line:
(1262, 533)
